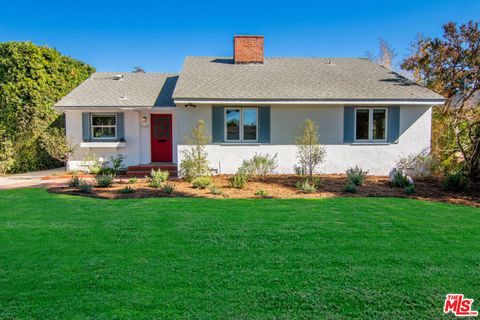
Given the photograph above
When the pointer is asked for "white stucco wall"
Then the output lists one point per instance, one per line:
(415, 131)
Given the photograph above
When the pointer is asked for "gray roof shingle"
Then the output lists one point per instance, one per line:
(315, 79)
(142, 90)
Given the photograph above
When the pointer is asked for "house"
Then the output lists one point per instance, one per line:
(367, 115)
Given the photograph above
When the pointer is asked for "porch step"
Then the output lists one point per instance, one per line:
(143, 170)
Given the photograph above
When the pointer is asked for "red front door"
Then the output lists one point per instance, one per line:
(161, 135)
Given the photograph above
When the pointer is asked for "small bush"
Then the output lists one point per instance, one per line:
(104, 181)
(215, 190)
(410, 189)
(74, 181)
(399, 180)
(317, 182)
(127, 189)
(168, 188)
(417, 165)
(259, 166)
(306, 186)
(299, 170)
(84, 187)
(262, 193)
(238, 180)
(132, 180)
(350, 187)
(454, 182)
(356, 175)
(157, 178)
(117, 164)
(201, 182)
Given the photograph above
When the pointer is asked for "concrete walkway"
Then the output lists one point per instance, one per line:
(33, 179)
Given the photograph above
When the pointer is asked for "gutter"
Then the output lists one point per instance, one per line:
(313, 102)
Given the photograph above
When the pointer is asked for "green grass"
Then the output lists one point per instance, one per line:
(74, 257)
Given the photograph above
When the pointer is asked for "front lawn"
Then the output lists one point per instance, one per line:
(74, 257)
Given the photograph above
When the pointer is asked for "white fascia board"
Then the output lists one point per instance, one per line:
(302, 102)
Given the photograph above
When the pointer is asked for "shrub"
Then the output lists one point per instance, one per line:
(317, 182)
(356, 175)
(84, 187)
(157, 178)
(259, 166)
(350, 187)
(201, 182)
(74, 181)
(127, 189)
(194, 161)
(215, 190)
(168, 188)
(104, 181)
(299, 170)
(262, 193)
(132, 180)
(238, 180)
(310, 153)
(454, 182)
(410, 189)
(399, 180)
(417, 165)
(306, 186)
(117, 164)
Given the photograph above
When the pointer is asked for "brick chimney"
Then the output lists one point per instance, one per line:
(248, 49)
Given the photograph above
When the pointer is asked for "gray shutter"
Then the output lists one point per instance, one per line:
(120, 127)
(264, 124)
(393, 124)
(86, 126)
(348, 124)
(217, 124)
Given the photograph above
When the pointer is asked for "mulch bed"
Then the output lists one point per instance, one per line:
(283, 186)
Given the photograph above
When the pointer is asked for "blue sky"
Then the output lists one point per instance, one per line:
(157, 35)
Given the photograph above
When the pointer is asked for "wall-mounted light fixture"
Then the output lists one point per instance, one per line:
(190, 105)
(144, 119)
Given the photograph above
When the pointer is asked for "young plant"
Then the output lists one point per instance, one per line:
(356, 175)
(261, 193)
(168, 188)
(454, 182)
(310, 153)
(201, 182)
(157, 178)
(410, 189)
(117, 164)
(215, 190)
(104, 181)
(127, 189)
(306, 186)
(350, 187)
(238, 180)
(132, 180)
(74, 181)
(84, 187)
(400, 180)
(260, 165)
(194, 161)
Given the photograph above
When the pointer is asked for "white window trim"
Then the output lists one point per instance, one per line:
(370, 125)
(241, 124)
(103, 126)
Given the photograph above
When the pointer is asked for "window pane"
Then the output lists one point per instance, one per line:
(233, 124)
(103, 120)
(379, 125)
(250, 124)
(104, 132)
(362, 124)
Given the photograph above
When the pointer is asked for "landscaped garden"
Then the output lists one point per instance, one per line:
(66, 256)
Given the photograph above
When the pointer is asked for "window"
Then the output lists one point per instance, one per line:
(104, 126)
(370, 124)
(241, 124)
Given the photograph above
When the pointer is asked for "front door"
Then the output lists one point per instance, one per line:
(161, 135)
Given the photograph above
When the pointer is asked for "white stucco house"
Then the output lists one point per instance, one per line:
(367, 115)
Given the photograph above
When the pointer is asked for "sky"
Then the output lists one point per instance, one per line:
(158, 35)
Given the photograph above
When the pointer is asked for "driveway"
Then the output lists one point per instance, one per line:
(37, 179)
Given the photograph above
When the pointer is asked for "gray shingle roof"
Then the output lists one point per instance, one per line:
(217, 78)
(142, 90)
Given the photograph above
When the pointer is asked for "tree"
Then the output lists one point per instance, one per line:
(467, 134)
(138, 69)
(310, 153)
(448, 66)
(58, 145)
(386, 54)
(32, 79)
(194, 161)
(6, 152)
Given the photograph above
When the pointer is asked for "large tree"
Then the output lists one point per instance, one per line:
(32, 79)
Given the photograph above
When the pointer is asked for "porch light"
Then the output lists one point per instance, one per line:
(144, 119)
